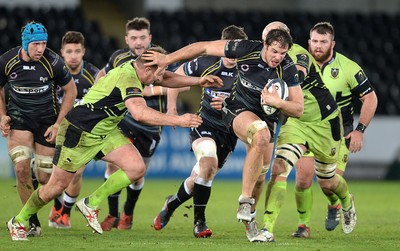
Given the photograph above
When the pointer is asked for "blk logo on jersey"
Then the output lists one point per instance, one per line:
(29, 68)
(228, 74)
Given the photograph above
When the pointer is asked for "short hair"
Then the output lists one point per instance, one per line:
(142, 61)
(233, 32)
(73, 37)
(280, 36)
(138, 23)
(323, 28)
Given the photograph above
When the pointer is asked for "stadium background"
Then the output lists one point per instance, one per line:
(366, 30)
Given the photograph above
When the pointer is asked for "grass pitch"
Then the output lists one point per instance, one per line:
(377, 205)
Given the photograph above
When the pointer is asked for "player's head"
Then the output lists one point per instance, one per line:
(34, 39)
(272, 26)
(149, 74)
(73, 49)
(322, 41)
(232, 32)
(138, 36)
(276, 45)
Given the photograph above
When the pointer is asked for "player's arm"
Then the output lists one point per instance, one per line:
(144, 114)
(69, 97)
(368, 108)
(100, 74)
(172, 94)
(174, 80)
(4, 119)
(294, 106)
(211, 48)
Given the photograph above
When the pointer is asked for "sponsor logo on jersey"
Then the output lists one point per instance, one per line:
(43, 79)
(360, 76)
(76, 80)
(205, 133)
(29, 68)
(30, 90)
(334, 72)
(133, 91)
(249, 85)
(228, 74)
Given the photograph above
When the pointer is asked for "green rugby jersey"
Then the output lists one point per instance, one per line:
(103, 106)
(345, 79)
(318, 101)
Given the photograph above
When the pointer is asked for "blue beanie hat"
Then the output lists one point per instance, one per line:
(33, 32)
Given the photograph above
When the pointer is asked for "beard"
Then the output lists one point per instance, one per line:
(321, 57)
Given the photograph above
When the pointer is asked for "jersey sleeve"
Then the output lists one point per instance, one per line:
(289, 72)
(239, 48)
(359, 82)
(3, 77)
(130, 89)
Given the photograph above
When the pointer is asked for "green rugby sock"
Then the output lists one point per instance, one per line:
(114, 183)
(32, 206)
(274, 199)
(343, 193)
(304, 202)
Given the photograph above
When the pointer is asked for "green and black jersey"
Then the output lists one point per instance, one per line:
(318, 101)
(156, 102)
(103, 106)
(345, 79)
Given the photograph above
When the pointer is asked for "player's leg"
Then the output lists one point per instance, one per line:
(59, 180)
(303, 194)
(290, 147)
(112, 218)
(146, 143)
(70, 196)
(205, 150)
(250, 129)
(116, 149)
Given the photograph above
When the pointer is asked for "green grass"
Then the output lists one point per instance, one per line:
(377, 204)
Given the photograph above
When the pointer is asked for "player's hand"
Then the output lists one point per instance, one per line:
(190, 120)
(356, 141)
(271, 98)
(51, 133)
(5, 125)
(217, 102)
(210, 81)
(155, 58)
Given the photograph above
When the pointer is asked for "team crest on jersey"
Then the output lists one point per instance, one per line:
(133, 91)
(334, 72)
(345, 158)
(333, 151)
(244, 67)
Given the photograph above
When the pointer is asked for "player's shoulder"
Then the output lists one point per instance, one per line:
(91, 67)
(119, 52)
(51, 58)
(11, 53)
(344, 62)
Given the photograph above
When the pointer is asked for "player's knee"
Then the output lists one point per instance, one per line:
(286, 157)
(256, 133)
(325, 171)
(20, 153)
(206, 148)
(44, 163)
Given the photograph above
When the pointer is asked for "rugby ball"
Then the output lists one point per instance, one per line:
(281, 88)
